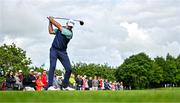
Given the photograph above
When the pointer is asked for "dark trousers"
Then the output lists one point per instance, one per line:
(78, 87)
(64, 59)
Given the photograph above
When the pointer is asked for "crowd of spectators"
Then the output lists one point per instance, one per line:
(38, 81)
(17, 81)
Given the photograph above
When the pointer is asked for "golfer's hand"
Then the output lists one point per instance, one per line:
(50, 18)
(55, 23)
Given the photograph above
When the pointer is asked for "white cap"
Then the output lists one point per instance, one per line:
(70, 23)
(20, 71)
(31, 70)
(39, 73)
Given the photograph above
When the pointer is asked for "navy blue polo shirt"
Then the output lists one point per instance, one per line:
(62, 39)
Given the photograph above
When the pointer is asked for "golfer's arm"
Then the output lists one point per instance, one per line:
(56, 24)
(50, 28)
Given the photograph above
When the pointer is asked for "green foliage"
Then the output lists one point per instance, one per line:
(91, 70)
(178, 71)
(157, 80)
(58, 72)
(2, 79)
(14, 58)
(170, 69)
(139, 71)
(156, 76)
(135, 71)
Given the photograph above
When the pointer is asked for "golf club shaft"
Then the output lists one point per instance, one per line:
(65, 18)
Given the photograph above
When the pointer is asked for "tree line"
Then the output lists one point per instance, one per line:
(138, 71)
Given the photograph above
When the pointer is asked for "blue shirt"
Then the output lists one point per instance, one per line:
(62, 39)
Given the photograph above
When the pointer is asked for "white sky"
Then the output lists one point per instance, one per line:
(113, 30)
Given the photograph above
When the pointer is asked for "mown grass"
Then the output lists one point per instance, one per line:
(168, 95)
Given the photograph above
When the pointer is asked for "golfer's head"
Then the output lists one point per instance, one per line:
(70, 24)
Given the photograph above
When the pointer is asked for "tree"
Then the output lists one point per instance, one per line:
(14, 58)
(156, 75)
(159, 65)
(170, 70)
(178, 70)
(91, 70)
(135, 71)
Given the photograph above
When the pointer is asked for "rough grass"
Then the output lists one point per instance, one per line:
(168, 95)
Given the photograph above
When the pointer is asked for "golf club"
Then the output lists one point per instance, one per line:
(80, 21)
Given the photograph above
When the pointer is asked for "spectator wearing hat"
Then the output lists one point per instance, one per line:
(59, 80)
(18, 85)
(55, 82)
(31, 79)
(21, 77)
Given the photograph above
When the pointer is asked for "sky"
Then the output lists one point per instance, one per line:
(113, 29)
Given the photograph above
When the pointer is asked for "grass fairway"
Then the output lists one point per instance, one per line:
(156, 95)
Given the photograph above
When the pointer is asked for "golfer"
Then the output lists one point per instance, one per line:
(63, 34)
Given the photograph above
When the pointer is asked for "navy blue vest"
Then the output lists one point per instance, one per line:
(60, 41)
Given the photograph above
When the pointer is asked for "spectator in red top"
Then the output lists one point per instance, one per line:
(44, 78)
(101, 84)
(39, 83)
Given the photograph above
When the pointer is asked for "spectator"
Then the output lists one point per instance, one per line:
(35, 74)
(72, 81)
(39, 83)
(78, 82)
(95, 83)
(55, 82)
(44, 79)
(31, 79)
(99, 78)
(106, 85)
(101, 84)
(121, 86)
(81, 82)
(116, 85)
(113, 86)
(59, 81)
(18, 84)
(1, 72)
(90, 83)
(10, 80)
(3, 85)
(21, 77)
(85, 83)
(55, 85)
